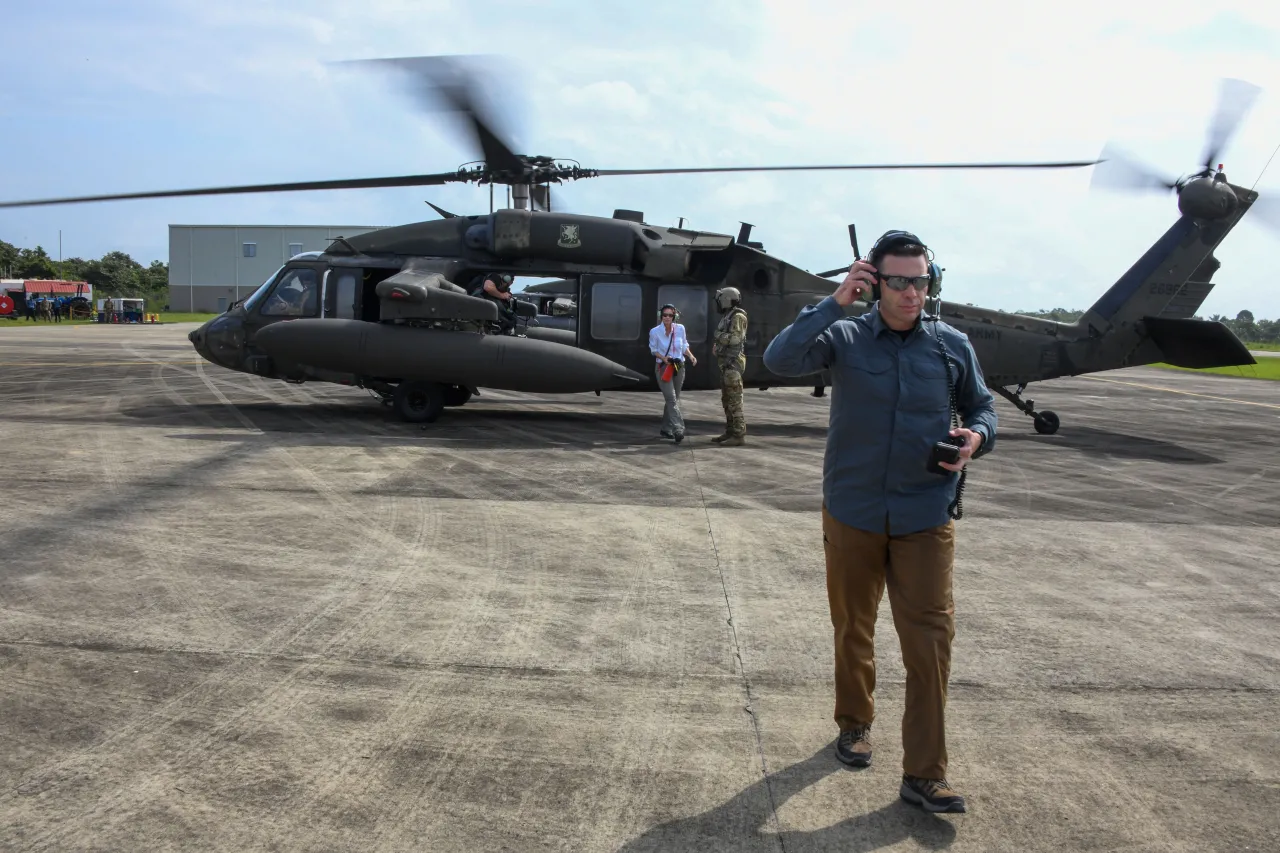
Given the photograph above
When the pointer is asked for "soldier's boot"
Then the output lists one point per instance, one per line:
(725, 436)
(734, 441)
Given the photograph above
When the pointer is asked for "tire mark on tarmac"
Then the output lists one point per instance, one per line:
(1181, 493)
(428, 699)
(344, 591)
(180, 555)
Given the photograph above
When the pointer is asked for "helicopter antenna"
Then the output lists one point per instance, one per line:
(1265, 167)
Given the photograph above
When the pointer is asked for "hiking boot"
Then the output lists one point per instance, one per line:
(734, 441)
(932, 795)
(679, 436)
(720, 438)
(854, 746)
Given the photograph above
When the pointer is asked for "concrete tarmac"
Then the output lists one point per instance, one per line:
(243, 615)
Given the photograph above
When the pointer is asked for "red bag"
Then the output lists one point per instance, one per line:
(670, 370)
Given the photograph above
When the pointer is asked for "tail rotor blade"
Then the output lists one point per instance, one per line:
(1266, 211)
(1235, 99)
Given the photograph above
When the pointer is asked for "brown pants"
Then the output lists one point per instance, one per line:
(918, 570)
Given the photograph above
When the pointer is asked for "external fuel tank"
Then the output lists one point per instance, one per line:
(392, 352)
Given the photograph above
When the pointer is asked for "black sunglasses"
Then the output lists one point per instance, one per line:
(666, 314)
(902, 282)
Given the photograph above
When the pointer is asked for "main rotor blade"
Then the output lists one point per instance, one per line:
(444, 78)
(1062, 165)
(1235, 99)
(836, 271)
(346, 184)
(1119, 171)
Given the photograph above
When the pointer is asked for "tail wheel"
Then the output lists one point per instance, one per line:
(456, 395)
(419, 402)
(1046, 423)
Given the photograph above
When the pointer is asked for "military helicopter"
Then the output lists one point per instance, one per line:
(398, 310)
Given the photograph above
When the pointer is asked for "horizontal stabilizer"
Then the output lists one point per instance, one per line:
(1196, 343)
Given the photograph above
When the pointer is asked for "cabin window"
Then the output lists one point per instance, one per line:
(297, 295)
(615, 311)
(345, 307)
(691, 301)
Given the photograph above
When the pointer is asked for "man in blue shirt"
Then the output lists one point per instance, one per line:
(886, 518)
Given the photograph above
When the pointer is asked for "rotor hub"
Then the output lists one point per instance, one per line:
(535, 170)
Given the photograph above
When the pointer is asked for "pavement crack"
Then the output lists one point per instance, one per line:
(742, 664)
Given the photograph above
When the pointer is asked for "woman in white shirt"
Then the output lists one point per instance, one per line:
(670, 346)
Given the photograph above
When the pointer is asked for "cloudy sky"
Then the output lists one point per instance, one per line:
(132, 95)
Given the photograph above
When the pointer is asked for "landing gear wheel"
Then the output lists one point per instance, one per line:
(419, 402)
(456, 395)
(1046, 423)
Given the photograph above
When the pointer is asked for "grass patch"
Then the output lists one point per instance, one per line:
(1263, 347)
(180, 317)
(173, 317)
(23, 321)
(1266, 368)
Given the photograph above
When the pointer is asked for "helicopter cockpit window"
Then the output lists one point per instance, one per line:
(256, 296)
(615, 311)
(297, 295)
(691, 301)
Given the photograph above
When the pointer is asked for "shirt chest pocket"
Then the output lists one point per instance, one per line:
(927, 389)
(871, 377)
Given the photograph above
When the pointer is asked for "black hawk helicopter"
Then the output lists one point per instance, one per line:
(399, 311)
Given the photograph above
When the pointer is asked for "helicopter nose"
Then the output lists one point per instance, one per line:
(220, 341)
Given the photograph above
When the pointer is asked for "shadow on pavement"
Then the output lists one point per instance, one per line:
(1100, 442)
(744, 819)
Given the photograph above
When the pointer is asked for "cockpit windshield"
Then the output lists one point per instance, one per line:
(257, 295)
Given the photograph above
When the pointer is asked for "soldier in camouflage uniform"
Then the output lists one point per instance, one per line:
(731, 333)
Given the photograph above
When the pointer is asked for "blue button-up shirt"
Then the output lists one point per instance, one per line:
(889, 404)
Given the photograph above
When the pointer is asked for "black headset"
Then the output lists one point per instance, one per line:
(889, 240)
(674, 309)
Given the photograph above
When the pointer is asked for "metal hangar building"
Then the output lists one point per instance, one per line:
(211, 266)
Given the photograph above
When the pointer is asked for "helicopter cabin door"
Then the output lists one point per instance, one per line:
(615, 314)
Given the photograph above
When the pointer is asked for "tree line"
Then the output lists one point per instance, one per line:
(114, 274)
(1244, 326)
